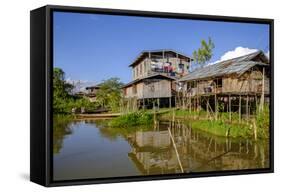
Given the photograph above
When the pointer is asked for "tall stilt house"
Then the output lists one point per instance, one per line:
(154, 74)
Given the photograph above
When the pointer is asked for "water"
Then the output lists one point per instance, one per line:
(90, 149)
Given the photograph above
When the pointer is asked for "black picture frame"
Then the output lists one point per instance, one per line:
(41, 61)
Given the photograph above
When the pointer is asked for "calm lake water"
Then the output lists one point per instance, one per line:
(90, 149)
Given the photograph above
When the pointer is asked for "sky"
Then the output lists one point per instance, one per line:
(91, 48)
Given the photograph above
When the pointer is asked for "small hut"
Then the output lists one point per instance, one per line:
(153, 90)
(228, 84)
(91, 92)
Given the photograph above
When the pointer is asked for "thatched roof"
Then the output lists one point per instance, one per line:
(145, 54)
(153, 76)
(237, 66)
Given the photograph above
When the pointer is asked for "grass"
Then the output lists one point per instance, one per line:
(223, 126)
(200, 120)
(132, 119)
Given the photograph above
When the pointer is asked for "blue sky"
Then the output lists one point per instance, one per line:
(92, 48)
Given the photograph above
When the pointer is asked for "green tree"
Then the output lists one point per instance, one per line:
(61, 87)
(109, 94)
(61, 91)
(204, 53)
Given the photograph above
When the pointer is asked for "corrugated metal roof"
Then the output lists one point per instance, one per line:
(143, 53)
(237, 65)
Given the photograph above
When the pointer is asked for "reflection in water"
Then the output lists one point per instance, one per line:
(60, 131)
(94, 150)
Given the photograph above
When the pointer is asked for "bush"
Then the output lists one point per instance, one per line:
(132, 119)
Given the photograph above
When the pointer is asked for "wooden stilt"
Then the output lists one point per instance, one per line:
(262, 94)
(216, 104)
(158, 103)
(239, 108)
(216, 107)
(247, 107)
(207, 106)
(229, 100)
(197, 97)
(170, 102)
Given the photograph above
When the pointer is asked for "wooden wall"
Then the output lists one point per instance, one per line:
(250, 81)
(152, 88)
(143, 68)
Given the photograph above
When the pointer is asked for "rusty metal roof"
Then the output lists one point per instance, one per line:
(237, 66)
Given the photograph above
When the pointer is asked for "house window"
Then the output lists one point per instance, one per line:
(193, 84)
(219, 82)
(181, 68)
(135, 89)
(152, 88)
(125, 91)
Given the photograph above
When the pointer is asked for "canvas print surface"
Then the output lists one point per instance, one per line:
(138, 96)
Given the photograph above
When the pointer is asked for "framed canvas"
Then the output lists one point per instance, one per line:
(121, 95)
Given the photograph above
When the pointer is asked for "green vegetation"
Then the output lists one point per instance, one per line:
(262, 121)
(204, 53)
(109, 94)
(63, 99)
(245, 128)
(222, 128)
(61, 128)
(132, 119)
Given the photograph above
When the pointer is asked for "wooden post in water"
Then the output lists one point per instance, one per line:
(262, 94)
(239, 108)
(170, 102)
(229, 100)
(207, 106)
(247, 107)
(197, 96)
(216, 104)
(255, 129)
(175, 147)
(158, 102)
(190, 104)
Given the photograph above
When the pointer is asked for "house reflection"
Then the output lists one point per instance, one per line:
(176, 148)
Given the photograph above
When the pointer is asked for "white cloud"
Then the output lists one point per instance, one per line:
(237, 52)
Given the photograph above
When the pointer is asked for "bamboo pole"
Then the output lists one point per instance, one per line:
(175, 147)
(216, 105)
(158, 102)
(170, 102)
(239, 108)
(255, 129)
(262, 94)
(197, 96)
(190, 104)
(207, 107)
(229, 100)
(247, 106)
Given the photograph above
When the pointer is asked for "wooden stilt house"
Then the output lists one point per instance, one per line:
(154, 75)
(239, 84)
